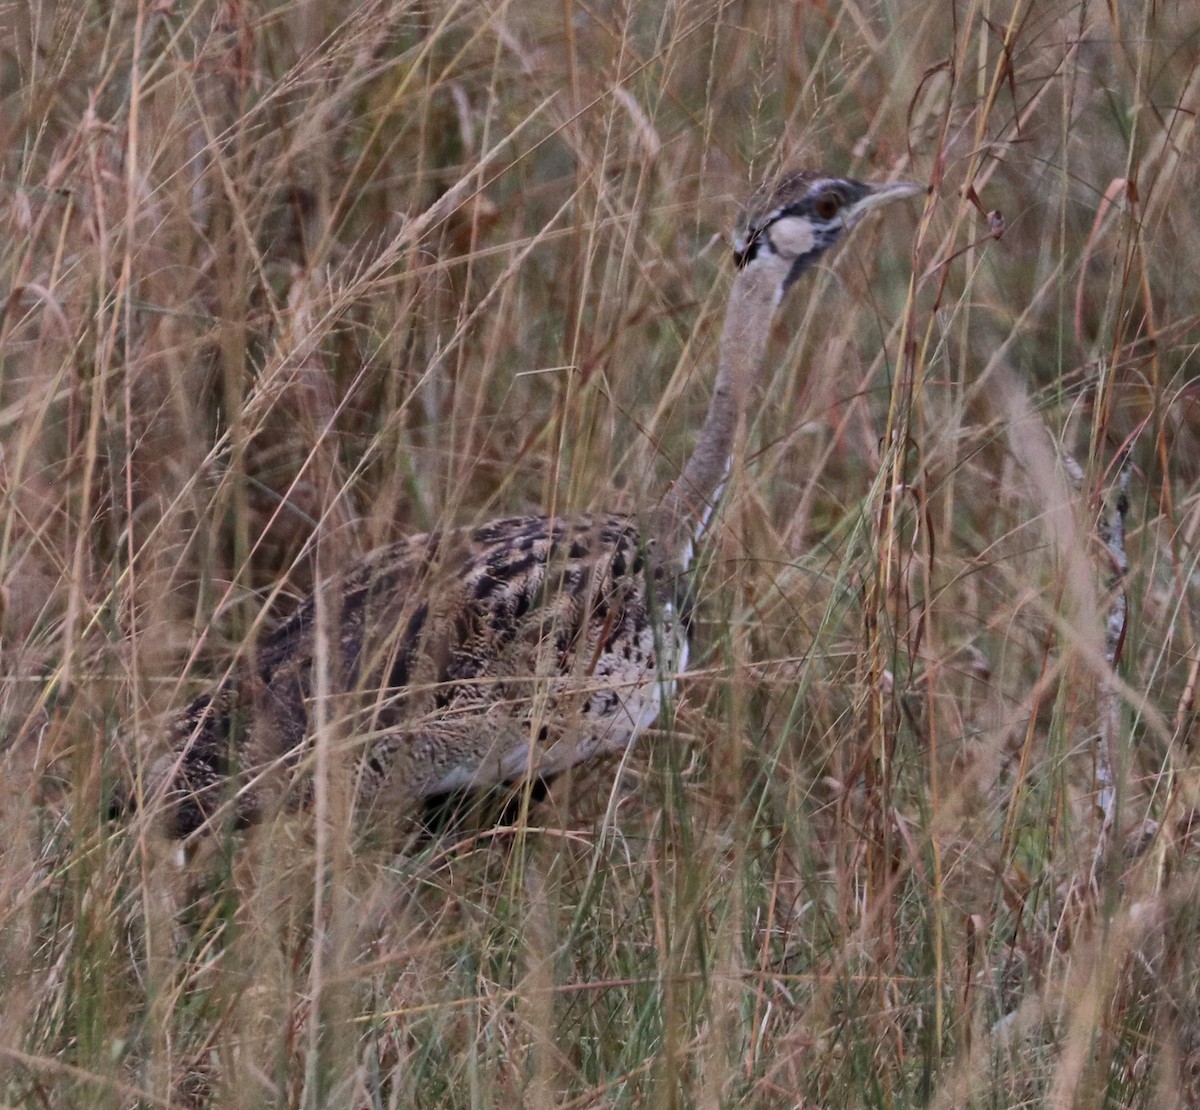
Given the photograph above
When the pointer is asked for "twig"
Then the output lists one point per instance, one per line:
(1112, 533)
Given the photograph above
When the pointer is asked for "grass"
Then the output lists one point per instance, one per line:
(281, 283)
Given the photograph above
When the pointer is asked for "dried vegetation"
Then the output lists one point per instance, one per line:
(279, 283)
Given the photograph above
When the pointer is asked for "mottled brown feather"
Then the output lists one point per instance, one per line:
(463, 659)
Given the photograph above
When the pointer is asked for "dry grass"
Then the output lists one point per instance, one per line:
(280, 283)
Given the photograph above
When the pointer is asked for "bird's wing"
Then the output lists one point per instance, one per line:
(445, 660)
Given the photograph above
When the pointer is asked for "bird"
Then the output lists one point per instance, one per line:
(478, 657)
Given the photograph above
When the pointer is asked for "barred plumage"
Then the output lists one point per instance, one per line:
(460, 659)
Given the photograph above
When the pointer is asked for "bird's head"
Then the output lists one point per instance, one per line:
(791, 222)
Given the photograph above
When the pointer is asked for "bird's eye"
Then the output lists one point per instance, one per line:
(828, 205)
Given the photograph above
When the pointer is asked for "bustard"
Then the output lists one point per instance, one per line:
(471, 658)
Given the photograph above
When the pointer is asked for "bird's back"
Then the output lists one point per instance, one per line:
(448, 661)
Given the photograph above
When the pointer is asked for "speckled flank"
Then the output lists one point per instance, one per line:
(466, 659)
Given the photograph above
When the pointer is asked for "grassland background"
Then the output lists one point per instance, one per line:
(282, 282)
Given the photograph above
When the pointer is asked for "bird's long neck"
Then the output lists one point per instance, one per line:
(685, 509)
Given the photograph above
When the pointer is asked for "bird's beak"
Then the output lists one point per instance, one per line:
(880, 195)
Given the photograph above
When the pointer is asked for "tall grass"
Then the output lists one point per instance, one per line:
(284, 282)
